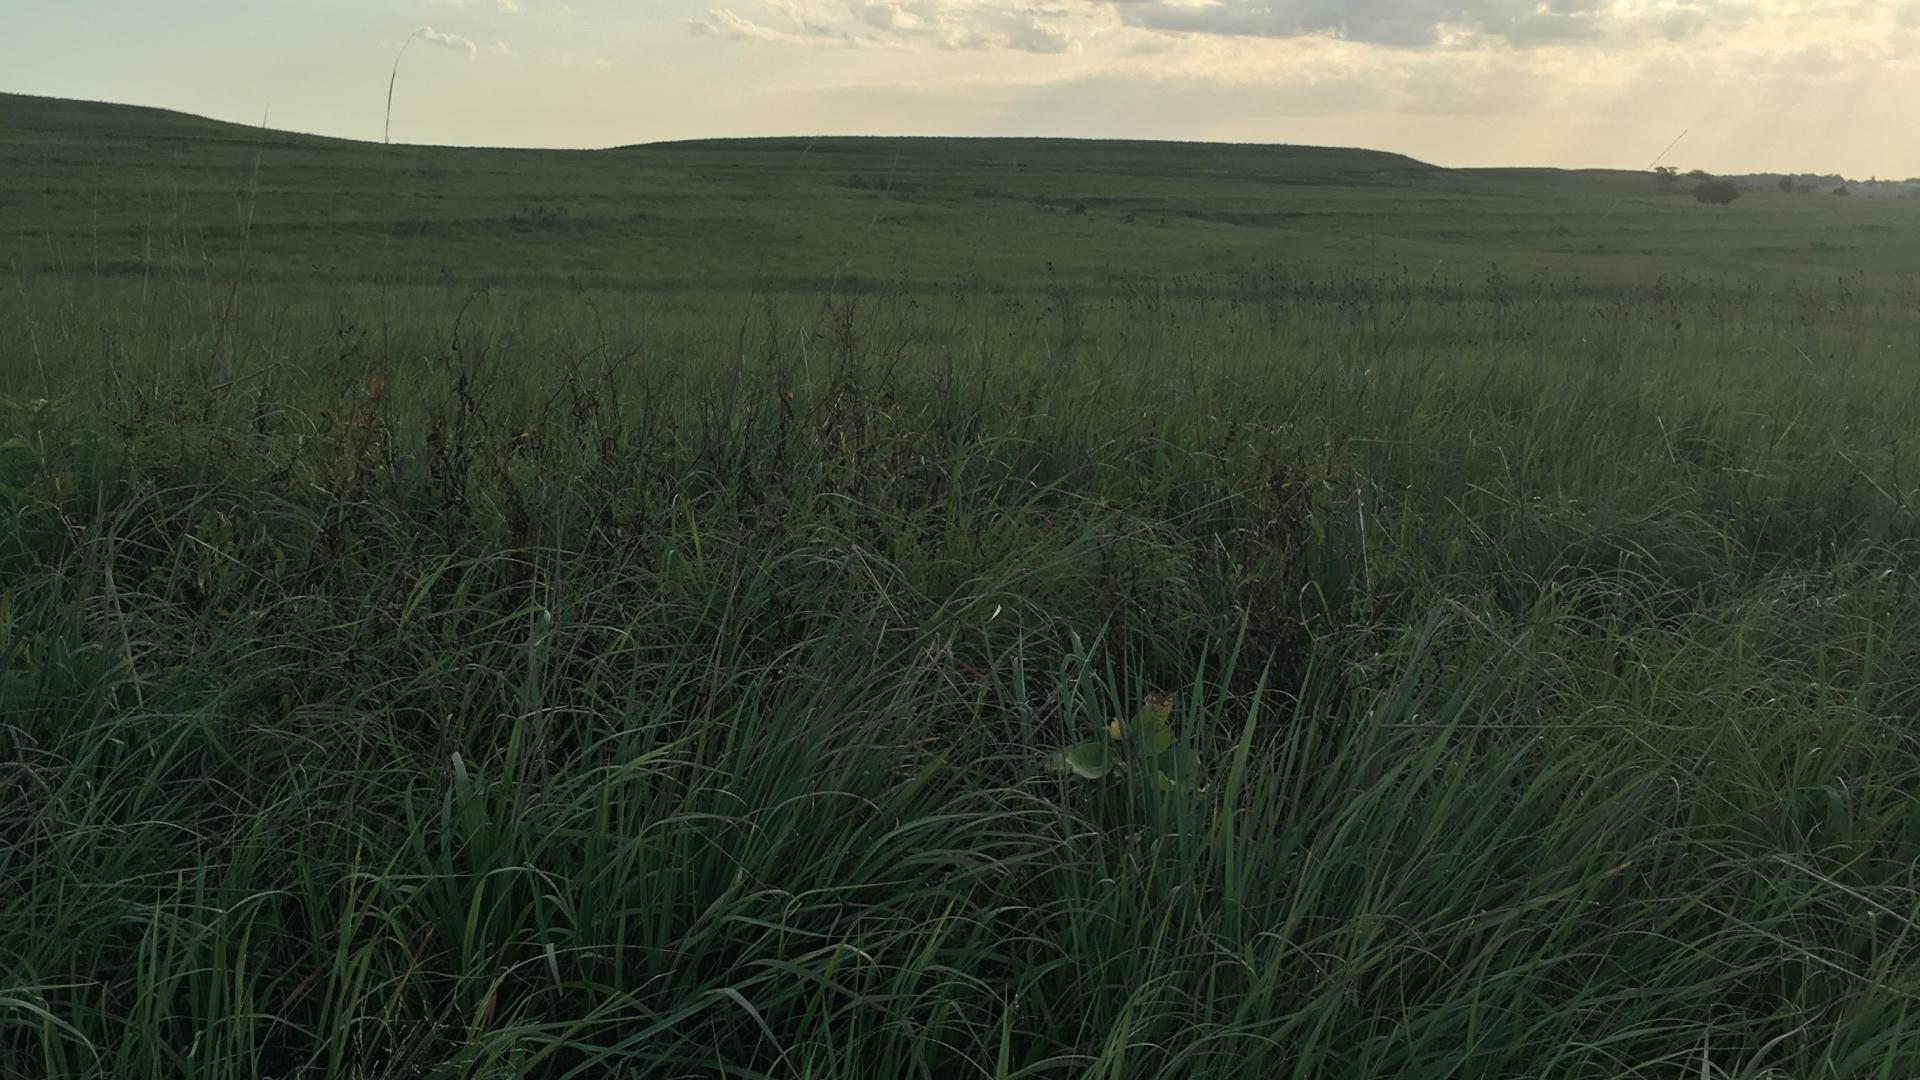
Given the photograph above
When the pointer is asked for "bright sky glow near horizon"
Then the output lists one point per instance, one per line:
(1828, 86)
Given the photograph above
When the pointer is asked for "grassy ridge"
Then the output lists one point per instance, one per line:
(409, 680)
(146, 194)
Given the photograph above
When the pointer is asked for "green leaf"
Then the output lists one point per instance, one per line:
(1182, 763)
(1090, 760)
(1154, 724)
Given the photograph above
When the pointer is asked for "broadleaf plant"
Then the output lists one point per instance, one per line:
(1142, 746)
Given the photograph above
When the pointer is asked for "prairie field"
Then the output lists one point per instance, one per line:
(880, 608)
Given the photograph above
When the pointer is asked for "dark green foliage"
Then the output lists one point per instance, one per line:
(1717, 193)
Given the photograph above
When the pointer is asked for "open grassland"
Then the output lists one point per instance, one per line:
(106, 190)
(445, 638)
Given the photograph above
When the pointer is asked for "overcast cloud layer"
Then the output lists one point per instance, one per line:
(1062, 26)
(1756, 84)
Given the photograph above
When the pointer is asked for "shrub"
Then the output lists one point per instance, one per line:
(1717, 192)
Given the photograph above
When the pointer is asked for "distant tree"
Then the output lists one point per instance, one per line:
(1786, 184)
(1667, 175)
(1699, 174)
(1843, 191)
(1717, 192)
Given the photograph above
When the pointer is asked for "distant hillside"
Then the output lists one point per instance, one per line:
(64, 119)
(61, 120)
(121, 190)
(1277, 162)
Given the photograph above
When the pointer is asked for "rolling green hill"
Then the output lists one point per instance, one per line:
(129, 191)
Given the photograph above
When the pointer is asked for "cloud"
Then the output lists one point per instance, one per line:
(448, 41)
(729, 25)
(1060, 26)
(1403, 23)
(952, 25)
(1040, 37)
(726, 23)
(883, 15)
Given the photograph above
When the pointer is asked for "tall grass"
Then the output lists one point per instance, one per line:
(413, 683)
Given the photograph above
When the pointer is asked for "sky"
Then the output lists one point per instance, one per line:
(1825, 86)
